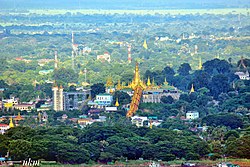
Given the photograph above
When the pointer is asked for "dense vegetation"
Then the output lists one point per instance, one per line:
(105, 143)
(220, 97)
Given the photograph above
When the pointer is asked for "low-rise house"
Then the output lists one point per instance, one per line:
(8, 103)
(138, 121)
(45, 72)
(4, 128)
(192, 115)
(44, 117)
(2, 119)
(64, 117)
(25, 106)
(243, 76)
(101, 101)
(104, 57)
(83, 122)
(110, 109)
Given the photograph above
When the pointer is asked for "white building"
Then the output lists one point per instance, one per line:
(57, 98)
(192, 115)
(138, 121)
(110, 109)
(4, 128)
(104, 99)
(25, 106)
(243, 76)
(104, 57)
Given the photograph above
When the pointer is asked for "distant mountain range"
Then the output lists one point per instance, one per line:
(122, 4)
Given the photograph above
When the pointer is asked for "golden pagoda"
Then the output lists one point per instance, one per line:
(109, 82)
(150, 124)
(153, 82)
(117, 103)
(200, 64)
(148, 82)
(11, 125)
(192, 89)
(137, 81)
(39, 117)
(119, 86)
(145, 45)
(19, 117)
(138, 86)
(165, 81)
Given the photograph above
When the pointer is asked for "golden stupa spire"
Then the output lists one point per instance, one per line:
(200, 64)
(137, 80)
(150, 124)
(148, 82)
(137, 74)
(11, 125)
(39, 117)
(19, 117)
(145, 45)
(117, 103)
(109, 82)
(192, 89)
(153, 82)
(165, 81)
(119, 86)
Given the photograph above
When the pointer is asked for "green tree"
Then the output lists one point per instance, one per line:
(184, 69)
(97, 89)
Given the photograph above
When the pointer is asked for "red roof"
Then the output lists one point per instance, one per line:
(3, 125)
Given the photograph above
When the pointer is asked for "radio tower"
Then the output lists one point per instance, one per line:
(72, 53)
(56, 61)
(129, 54)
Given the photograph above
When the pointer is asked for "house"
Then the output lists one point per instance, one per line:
(2, 119)
(103, 100)
(155, 95)
(83, 122)
(138, 121)
(24, 106)
(64, 117)
(45, 72)
(10, 102)
(94, 112)
(192, 115)
(110, 109)
(243, 76)
(4, 128)
(104, 57)
(45, 117)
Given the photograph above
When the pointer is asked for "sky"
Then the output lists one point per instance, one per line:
(121, 4)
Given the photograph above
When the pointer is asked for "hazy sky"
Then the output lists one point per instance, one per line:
(121, 4)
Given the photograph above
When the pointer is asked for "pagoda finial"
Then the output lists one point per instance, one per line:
(150, 124)
(200, 64)
(148, 82)
(11, 125)
(153, 82)
(137, 75)
(109, 82)
(165, 81)
(119, 87)
(117, 103)
(39, 117)
(192, 89)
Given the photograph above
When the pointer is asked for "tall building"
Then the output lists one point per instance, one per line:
(57, 98)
